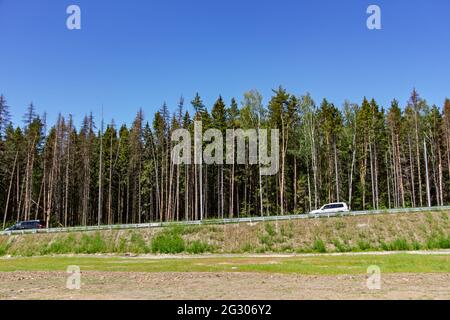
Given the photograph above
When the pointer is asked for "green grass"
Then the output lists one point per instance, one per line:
(319, 246)
(319, 265)
(415, 231)
(167, 243)
(198, 247)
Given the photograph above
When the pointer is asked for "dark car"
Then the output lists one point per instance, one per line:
(27, 225)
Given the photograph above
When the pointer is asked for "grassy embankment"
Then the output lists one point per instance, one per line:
(308, 265)
(400, 232)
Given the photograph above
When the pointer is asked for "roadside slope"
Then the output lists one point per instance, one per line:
(408, 231)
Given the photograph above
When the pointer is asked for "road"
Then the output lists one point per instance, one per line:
(225, 221)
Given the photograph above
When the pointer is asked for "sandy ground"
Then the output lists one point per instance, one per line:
(198, 286)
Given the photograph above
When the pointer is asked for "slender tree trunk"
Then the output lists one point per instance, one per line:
(9, 190)
(411, 165)
(309, 190)
(36, 214)
(110, 215)
(66, 203)
(352, 168)
(100, 180)
(372, 175)
(196, 191)
(222, 197)
(336, 172)
(427, 177)
(393, 163)
(232, 191)
(441, 192)
(418, 157)
(295, 185)
(400, 175)
(170, 201)
(186, 194)
(387, 180)
(201, 191)
(177, 192)
(128, 200)
(139, 195)
(377, 197)
(51, 183)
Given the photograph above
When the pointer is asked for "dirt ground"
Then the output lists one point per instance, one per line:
(218, 286)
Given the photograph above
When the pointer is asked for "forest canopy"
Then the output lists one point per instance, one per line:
(363, 154)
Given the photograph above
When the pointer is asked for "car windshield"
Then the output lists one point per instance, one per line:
(332, 206)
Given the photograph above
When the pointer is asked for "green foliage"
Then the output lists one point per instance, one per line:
(3, 249)
(264, 237)
(319, 138)
(270, 229)
(168, 241)
(197, 247)
(340, 224)
(247, 247)
(341, 247)
(91, 244)
(138, 245)
(266, 240)
(438, 242)
(61, 246)
(319, 246)
(287, 231)
(364, 245)
(400, 245)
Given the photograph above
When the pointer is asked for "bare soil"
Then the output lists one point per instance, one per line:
(218, 286)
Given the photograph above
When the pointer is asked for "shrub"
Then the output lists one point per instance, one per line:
(197, 247)
(3, 249)
(168, 242)
(247, 247)
(122, 247)
(341, 247)
(416, 245)
(91, 244)
(287, 248)
(138, 244)
(439, 242)
(60, 246)
(363, 245)
(287, 231)
(400, 245)
(319, 246)
(266, 240)
(270, 229)
(385, 246)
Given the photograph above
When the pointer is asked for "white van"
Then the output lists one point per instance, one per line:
(332, 208)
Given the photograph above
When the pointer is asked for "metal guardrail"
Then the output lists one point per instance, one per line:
(223, 221)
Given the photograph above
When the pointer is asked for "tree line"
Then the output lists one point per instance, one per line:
(363, 154)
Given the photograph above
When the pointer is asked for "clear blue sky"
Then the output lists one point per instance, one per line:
(140, 53)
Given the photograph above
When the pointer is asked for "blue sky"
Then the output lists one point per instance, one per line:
(140, 53)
